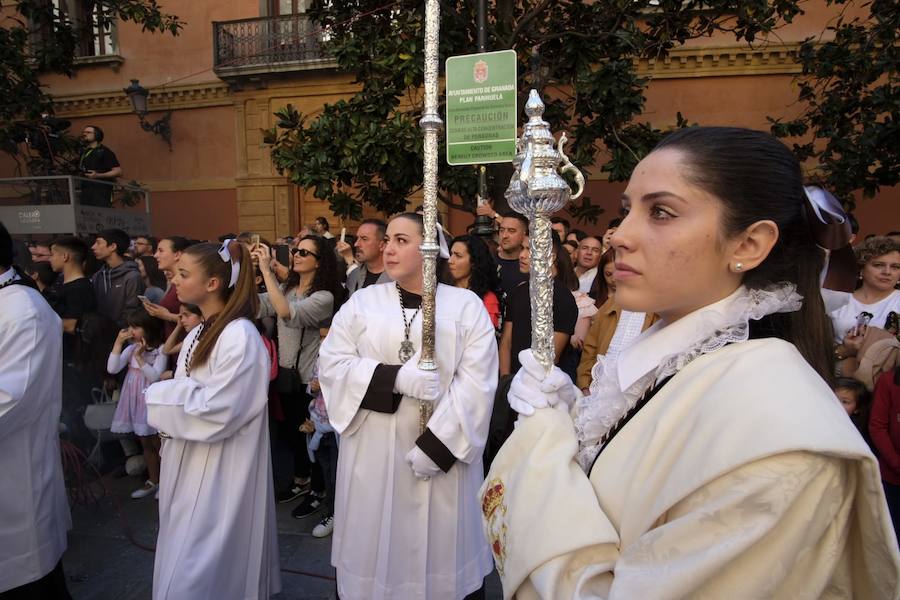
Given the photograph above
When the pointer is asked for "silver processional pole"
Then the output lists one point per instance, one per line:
(537, 191)
(431, 123)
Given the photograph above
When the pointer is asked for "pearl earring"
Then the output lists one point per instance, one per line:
(739, 266)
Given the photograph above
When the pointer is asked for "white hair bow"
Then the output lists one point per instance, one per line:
(442, 242)
(829, 226)
(225, 255)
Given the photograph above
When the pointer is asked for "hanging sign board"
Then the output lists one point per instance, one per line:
(481, 108)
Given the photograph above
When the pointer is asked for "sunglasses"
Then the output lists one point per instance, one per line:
(303, 252)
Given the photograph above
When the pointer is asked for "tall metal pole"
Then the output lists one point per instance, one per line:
(431, 123)
(484, 226)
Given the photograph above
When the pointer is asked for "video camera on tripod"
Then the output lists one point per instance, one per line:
(46, 137)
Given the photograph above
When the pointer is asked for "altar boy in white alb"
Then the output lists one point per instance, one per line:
(34, 512)
(407, 520)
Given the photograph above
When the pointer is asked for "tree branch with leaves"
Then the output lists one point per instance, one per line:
(850, 125)
(583, 54)
(38, 38)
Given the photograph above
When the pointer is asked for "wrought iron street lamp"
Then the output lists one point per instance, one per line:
(138, 95)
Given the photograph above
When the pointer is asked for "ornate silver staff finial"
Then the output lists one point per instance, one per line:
(537, 190)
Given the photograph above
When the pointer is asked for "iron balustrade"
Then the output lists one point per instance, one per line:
(267, 41)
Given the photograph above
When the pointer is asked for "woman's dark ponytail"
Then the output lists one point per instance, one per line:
(240, 300)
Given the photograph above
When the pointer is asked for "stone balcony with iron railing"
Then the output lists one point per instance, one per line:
(252, 48)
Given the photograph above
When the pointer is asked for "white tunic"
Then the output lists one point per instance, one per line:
(217, 532)
(34, 513)
(396, 536)
(742, 478)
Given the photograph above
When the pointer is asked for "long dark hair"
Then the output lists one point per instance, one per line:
(483, 275)
(153, 327)
(599, 288)
(154, 275)
(757, 178)
(240, 301)
(326, 277)
(565, 272)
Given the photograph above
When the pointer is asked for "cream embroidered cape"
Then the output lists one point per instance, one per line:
(742, 478)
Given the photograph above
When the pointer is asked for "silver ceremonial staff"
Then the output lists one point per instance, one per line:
(537, 191)
(431, 123)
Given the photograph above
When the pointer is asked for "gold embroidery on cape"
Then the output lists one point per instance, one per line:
(494, 511)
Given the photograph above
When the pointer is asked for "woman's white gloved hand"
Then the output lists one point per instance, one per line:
(413, 381)
(533, 387)
(422, 466)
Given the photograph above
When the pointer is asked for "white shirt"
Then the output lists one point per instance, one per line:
(845, 317)
(585, 281)
(627, 330)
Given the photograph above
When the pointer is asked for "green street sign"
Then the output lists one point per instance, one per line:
(481, 108)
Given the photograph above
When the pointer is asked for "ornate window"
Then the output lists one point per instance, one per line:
(93, 39)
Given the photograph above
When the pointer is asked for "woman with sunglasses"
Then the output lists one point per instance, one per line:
(303, 304)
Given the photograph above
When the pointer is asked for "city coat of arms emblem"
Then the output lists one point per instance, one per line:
(480, 72)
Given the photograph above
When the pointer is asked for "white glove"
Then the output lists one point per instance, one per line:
(413, 381)
(422, 466)
(533, 388)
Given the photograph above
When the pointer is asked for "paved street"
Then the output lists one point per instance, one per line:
(103, 564)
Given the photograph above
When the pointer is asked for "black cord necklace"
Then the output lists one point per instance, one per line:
(406, 346)
(190, 353)
(13, 279)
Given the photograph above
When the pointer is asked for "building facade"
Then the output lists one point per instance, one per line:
(236, 63)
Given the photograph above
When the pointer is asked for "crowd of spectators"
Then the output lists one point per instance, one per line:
(122, 325)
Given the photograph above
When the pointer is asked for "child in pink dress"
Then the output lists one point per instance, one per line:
(145, 362)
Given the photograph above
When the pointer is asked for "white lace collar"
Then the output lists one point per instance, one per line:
(663, 350)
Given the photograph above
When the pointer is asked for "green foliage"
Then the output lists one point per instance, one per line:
(581, 53)
(851, 121)
(39, 39)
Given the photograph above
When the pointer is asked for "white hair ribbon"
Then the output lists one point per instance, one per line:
(442, 242)
(829, 226)
(225, 255)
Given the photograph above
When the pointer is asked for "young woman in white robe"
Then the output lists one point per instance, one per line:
(711, 459)
(406, 515)
(217, 532)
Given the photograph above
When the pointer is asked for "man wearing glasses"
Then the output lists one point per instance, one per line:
(100, 163)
